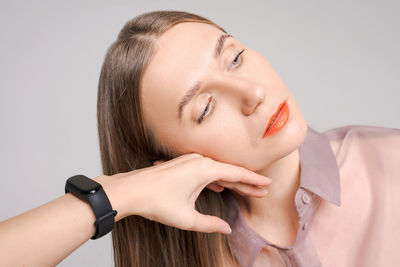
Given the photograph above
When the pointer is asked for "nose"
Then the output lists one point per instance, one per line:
(249, 93)
(252, 96)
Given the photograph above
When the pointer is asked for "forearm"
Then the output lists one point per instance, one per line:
(44, 236)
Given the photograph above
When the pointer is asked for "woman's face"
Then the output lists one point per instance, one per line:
(237, 98)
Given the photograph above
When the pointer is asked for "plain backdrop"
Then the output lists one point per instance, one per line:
(340, 59)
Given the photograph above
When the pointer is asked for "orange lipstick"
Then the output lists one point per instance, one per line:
(277, 120)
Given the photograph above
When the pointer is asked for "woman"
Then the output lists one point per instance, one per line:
(332, 202)
(175, 83)
(137, 126)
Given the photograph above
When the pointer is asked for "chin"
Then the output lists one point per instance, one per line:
(295, 133)
(290, 137)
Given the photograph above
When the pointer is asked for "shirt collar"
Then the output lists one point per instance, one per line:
(319, 169)
(319, 173)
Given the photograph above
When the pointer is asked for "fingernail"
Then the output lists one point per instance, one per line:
(229, 231)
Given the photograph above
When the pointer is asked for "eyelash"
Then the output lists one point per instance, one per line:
(210, 99)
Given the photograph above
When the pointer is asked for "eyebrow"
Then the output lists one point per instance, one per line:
(196, 87)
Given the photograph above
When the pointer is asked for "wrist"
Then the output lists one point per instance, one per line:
(113, 187)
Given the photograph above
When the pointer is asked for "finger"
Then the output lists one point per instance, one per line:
(245, 189)
(232, 173)
(191, 156)
(208, 224)
(233, 184)
(215, 187)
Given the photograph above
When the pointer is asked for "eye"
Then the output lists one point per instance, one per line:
(206, 110)
(235, 60)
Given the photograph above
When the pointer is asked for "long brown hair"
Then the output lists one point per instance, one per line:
(126, 144)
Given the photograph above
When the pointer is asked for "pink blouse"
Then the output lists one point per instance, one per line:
(348, 202)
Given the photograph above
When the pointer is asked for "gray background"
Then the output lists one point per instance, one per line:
(340, 59)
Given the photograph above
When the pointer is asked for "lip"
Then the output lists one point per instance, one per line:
(283, 115)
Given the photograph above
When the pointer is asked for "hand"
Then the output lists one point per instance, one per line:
(219, 186)
(167, 191)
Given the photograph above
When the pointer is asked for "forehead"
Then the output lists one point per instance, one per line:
(182, 55)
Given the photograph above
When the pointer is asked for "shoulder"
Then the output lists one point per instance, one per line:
(362, 131)
(364, 134)
(371, 144)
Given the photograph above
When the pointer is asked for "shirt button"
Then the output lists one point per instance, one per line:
(305, 198)
(305, 226)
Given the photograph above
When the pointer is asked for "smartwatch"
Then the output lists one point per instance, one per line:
(92, 192)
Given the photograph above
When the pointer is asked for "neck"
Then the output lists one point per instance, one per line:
(278, 204)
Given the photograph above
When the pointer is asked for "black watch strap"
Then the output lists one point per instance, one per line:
(104, 213)
(92, 192)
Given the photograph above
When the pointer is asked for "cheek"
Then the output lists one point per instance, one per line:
(226, 138)
(225, 150)
(234, 154)
(233, 149)
(222, 140)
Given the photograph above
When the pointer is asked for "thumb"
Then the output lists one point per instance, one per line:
(209, 224)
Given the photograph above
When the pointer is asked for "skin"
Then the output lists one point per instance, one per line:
(245, 94)
(47, 234)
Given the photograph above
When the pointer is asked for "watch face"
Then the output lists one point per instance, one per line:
(83, 184)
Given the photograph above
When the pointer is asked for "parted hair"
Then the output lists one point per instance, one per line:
(127, 143)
